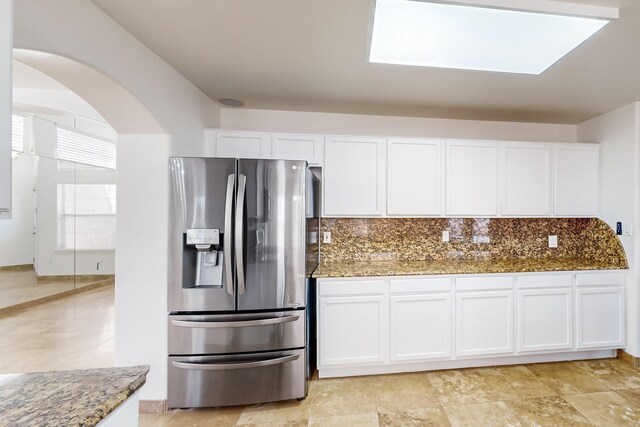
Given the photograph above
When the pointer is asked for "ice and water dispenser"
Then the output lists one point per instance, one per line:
(203, 258)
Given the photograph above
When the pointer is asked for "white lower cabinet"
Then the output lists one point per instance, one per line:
(484, 323)
(600, 314)
(545, 320)
(421, 319)
(396, 324)
(353, 324)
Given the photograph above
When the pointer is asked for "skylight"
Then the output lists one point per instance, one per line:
(486, 37)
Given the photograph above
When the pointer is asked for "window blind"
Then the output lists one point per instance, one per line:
(17, 133)
(76, 147)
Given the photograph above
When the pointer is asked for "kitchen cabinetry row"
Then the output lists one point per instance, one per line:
(395, 321)
(367, 176)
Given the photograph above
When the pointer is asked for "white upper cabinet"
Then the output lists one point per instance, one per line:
(576, 179)
(354, 171)
(415, 178)
(293, 146)
(247, 145)
(472, 178)
(526, 179)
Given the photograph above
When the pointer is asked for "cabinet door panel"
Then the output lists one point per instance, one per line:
(353, 330)
(600, 317)
(353, 176)
(472, 178)
(414, 177)
(484, 323)
(297, 147)
(545, 320)
(420, 327)
(247, 145)
(576, 180)
(526, 179)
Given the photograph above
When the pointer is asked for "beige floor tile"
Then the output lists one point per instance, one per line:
(515, 382)
(291, 410)
(290, 423)
(423, 417)
(490, 414)
(606, 409)
(343, 396)
(461, 387)
(155, 420)
(405, 391)
(21, 286)
(632, 395)
(567, 378)
(614, 373)
(360, 420)
(219, 417)
(547, 411)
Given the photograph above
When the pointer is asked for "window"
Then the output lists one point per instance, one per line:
(17, 133)
(86, 150)
(86, 216)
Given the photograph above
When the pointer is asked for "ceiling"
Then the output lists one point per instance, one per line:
(308, 55)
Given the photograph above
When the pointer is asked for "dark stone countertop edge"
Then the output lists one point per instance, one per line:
(449, 267)
(103, 410)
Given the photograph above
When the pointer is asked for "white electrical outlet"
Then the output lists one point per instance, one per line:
(326, 237)
(445, 236)
(553, 241)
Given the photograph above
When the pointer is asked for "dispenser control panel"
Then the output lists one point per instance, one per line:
(203, 236)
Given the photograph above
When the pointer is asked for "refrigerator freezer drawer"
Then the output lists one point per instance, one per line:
(205, 381)
(236, 333)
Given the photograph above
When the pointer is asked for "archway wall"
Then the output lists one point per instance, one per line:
(157, 113)
(78, 30)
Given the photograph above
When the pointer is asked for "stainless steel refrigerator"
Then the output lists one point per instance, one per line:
(243, 241)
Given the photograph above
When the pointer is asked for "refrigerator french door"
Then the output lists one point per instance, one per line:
(243, 240)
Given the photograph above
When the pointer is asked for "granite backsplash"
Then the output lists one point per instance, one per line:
(416, 239)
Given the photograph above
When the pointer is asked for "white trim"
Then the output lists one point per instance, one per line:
(550, 7)
(349, 371)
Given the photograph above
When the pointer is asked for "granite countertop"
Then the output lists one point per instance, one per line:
(432, 267)
(66, 398)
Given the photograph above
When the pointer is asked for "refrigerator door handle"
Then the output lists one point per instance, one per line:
(229, 366)
(228, 213)
(236, 324)
(242, 186)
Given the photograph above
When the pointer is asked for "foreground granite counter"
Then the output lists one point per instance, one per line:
(426, 268)
(66, 398)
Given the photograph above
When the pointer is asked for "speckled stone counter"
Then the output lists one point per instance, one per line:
(66, 398)
(365, 247)
(426, 268)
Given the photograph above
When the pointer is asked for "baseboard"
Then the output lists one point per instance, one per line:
(75, 277)
(354, 370)
(153, 406)
(632, 360)
(22, 267)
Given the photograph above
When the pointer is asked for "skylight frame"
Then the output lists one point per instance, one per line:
(572, 23)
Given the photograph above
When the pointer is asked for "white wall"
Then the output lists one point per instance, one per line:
(52, 101)
(6, 13)
(16, 234)
(141, 302)
(359, 124)
(138, 94)
(79, 30)
(617, 133)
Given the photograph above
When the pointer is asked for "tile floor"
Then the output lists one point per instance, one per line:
(78, 332)
(74, 332)
(601, 393)
(22, 285)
